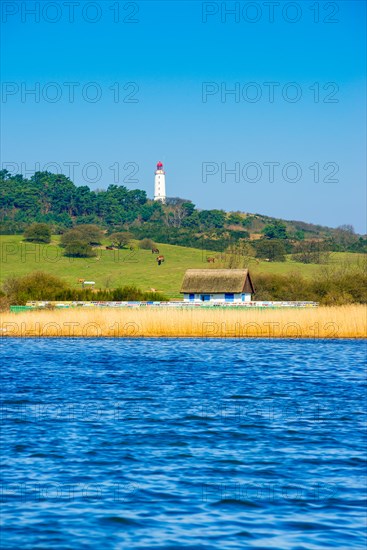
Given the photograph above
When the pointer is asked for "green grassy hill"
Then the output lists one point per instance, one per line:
(113, 268)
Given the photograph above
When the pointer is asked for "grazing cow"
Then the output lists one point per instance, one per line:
(210, 260)
(160, 259)
(155, 251)
(110, 247)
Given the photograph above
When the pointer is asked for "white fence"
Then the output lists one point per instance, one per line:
(247, 305)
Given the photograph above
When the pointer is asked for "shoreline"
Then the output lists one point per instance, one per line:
(337, 322)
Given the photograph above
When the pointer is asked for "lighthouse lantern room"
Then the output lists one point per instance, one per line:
(160, 184)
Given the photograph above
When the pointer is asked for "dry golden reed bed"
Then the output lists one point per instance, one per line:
(324, 322)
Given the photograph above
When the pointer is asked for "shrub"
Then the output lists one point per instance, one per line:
(310, 252)
(4, 302)
(38, 233)
(91, 233)
(72, 236)
(121, 238)
(88, 234)
(35, 286)
(146, 244)
(283, 287)
(329, 287)
(42, 286)
(135, 294)
(79, 249)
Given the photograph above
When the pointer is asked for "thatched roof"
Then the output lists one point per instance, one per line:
(209, 281)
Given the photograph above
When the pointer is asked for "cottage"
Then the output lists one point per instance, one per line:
(217, 285)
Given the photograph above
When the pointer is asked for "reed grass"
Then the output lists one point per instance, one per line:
(323, 322)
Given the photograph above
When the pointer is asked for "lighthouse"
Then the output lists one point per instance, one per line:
(160, 183)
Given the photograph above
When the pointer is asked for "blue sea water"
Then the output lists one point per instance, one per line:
(195, 444)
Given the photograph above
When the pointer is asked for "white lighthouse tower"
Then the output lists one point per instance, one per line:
(160, 183)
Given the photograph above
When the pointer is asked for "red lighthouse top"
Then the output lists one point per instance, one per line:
(159, 165)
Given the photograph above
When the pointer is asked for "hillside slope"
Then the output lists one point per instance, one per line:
(113, 268)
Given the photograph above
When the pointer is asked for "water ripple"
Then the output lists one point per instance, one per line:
(165, 444)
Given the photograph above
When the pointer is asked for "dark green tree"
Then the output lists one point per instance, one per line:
(275, 230)
(247, 222)
(235, 219)
(210, 219)
(189, 207)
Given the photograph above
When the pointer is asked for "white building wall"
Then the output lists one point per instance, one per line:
(220, 298)
(160, 186)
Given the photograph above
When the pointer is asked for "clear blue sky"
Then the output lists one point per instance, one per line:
(168, 53)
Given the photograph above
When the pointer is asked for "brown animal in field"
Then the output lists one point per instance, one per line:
(155, 251)
(160, 259)
(210, 260)
(110, 247)
(81, 280)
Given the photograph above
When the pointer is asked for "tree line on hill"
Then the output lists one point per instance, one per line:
(53, 200)
(82, 240)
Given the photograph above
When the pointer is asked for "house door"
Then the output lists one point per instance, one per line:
(229, 297)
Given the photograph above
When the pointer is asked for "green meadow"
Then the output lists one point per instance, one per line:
(113, 268)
